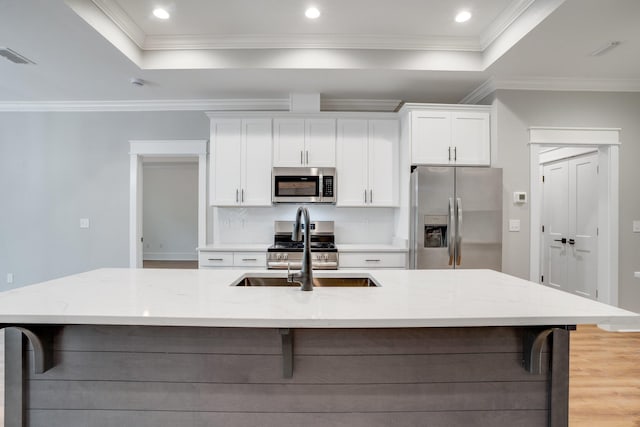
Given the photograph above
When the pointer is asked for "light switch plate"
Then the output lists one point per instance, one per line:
(9, 277)
(514, 225)
(636, 226)
(84, 222)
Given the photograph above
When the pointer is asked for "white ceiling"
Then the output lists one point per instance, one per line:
(86, 51)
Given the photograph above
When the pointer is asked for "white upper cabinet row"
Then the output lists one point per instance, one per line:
(367, 160)
(450, 137)
(304, 142)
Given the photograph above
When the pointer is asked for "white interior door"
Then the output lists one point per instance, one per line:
(570, 218)
(556, 223)
(583, 225)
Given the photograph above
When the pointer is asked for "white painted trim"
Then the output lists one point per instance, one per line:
(149, 105)
(378, 105)
(119, 17)
(569, 84)
(608, 203)
(311, 41)
(506, 18)
(479, 93)
(574, 136)
(172, 147)
(139, 149)
(290, 115)
(450, 107)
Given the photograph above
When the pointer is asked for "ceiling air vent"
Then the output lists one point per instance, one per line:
(14, 56)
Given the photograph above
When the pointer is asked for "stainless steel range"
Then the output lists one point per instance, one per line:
(285, 253)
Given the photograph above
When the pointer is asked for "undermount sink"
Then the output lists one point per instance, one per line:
(361, 282)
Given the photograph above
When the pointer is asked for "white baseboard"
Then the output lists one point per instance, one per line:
(170, 256)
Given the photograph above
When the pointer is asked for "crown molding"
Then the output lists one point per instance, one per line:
(149, 105)
(569, 84)
(503, 21)
(311, 41)
(479, 93)
(119, 17)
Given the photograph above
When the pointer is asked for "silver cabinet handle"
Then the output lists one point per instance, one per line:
(372, 260)
(307, 156)
(249, 259)
(370, 196)
(215, 259)
(455, 153)
(365, 196)
(236, 195)
(242, 194)
(459, 233)
(449, 153)
(450, 231)
(301, 162)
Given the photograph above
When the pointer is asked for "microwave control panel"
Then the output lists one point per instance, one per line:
(327, 186)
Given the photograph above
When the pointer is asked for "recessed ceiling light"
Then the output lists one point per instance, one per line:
(463, 16)
(160, 13)
(312, 13)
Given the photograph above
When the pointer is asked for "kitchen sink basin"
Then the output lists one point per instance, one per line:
(317, 281)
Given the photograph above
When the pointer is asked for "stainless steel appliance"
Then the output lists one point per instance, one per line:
(456, 218)
(287, 254)
(303, 185)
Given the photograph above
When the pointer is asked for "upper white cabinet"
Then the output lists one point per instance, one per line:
(304, 142)
(367, 162)
(451, 137)
(240, 159)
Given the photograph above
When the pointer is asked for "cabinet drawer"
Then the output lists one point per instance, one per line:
(373, 260)
(250, 259)
(215, 259)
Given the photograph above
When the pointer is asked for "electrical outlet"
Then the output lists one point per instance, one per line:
(84, 222)
(514, 225)
(9, 277)
(636, 226)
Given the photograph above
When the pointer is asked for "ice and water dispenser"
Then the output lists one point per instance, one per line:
(436, 228)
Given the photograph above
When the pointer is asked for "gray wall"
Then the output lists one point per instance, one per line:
(519, 110)
(170, 211)
(56, 168)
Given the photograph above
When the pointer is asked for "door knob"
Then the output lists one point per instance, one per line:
(563, 240)
(572, 242)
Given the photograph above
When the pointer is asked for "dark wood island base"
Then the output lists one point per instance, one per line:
(189, 376)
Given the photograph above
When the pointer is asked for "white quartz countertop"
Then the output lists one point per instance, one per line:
(236, 247)
(406, 298)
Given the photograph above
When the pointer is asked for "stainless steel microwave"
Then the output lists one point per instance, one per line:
(303, 185)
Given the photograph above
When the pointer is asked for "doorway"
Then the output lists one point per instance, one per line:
(605, 141)
(170, 212)
(570, 221)
(183, 149)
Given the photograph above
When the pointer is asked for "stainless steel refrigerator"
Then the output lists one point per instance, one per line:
(456, 218)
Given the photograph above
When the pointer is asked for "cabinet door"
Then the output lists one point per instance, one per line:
(352, 162)
(225, 154)
(320, 143)
(471, 138)
(256, 167)
(288, 142)
(430, 137)
(383, 162)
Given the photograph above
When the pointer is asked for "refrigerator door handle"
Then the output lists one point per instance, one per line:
(450, 231)
(459, 230)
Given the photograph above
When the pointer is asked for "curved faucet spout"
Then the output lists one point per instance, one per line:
(305, 275)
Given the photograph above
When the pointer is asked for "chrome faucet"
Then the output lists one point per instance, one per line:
(305, 275)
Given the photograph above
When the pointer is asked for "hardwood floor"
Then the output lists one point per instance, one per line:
(604, 383)
(604, 380)
(170, 264)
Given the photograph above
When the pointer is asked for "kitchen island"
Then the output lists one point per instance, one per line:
(134, 347)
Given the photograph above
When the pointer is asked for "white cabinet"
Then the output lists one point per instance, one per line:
(450, 137)
(373, 260)
(304, 142)
(367, 162)
(220, 259)
(240, 160)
